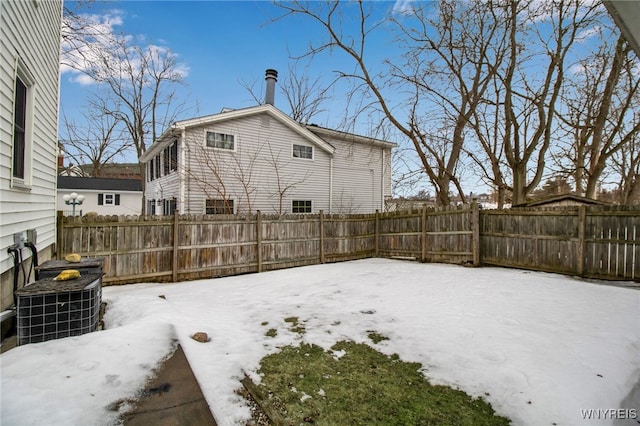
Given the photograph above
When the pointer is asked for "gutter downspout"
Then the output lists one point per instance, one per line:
(181, 173)
(330, 184)
(382, 181)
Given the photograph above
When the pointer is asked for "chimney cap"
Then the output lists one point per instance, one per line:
(271, 78)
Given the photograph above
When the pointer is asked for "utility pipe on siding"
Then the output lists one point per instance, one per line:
(330, 184)
(182, 171)
(382, 181)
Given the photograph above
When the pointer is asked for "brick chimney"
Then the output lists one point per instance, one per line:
(271, 77)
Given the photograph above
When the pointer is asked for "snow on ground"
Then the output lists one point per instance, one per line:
(541, 348)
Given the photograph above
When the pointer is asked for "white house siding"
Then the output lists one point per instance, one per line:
(262, 143)
(29, 44)
(130, 203)
(361, 175)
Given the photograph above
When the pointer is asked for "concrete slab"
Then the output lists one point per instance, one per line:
(173, 398)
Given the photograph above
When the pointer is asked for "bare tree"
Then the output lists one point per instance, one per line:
(602, 119)
(449, 61)
(284, 182)
(626, 165)
(140, 82)
(98, 141)
(304, 96)
(530, 99)
(488, 154)
(210, 175)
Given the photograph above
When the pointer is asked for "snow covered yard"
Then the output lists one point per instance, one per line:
(543, 349)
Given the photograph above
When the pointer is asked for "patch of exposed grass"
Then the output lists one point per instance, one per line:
(376, 337)
(363, 386)
(296, 326)
(272, 332)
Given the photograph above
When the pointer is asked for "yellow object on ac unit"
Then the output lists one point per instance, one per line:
(67, 274)
(73, 258)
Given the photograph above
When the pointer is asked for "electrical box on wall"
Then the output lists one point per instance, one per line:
(32, 236)
(18, 239)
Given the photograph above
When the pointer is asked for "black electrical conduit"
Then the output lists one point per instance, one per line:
(16, 253)
(34, 260)
(17, 260)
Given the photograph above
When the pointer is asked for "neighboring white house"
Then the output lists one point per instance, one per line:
(259, 158)
(104, 196)
(29, 86)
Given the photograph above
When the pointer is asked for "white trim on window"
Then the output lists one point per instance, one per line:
(221, 139)
(23, 74)
(301, 152)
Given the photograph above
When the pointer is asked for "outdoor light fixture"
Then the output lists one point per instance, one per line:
(74, 200)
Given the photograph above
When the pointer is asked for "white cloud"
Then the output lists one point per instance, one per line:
(403, 7)
(90, 38)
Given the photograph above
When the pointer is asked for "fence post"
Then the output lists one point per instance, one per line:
(60, 229)
(475, 232)
(176, 241)
(321, 236)
(377, 231)
(423, 241)
(259, 238)
(582, 219)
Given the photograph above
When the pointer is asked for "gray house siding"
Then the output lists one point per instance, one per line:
(361, 173)
(261, 172)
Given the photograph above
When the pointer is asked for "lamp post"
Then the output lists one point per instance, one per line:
(74, 200)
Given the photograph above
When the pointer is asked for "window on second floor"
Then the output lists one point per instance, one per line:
(173, 156)
(219, 206)
(220, 141)
(302, 151)
(166, 161)
(158, 166)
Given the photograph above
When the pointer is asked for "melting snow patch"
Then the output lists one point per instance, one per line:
(339, 354)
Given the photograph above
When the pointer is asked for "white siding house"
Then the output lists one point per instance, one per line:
(258, 158)
(29, 86)
(103, 196)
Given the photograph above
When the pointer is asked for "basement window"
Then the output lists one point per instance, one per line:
(301, 206)
(219, 206)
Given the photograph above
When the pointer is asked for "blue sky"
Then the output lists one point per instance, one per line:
(221, 43)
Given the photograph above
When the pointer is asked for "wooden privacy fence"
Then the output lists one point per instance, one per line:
(589, 242)
(596, 242)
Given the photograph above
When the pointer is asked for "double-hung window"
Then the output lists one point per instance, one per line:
(302, 151)
(22, 123)
(19, 129)
(221, 141)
